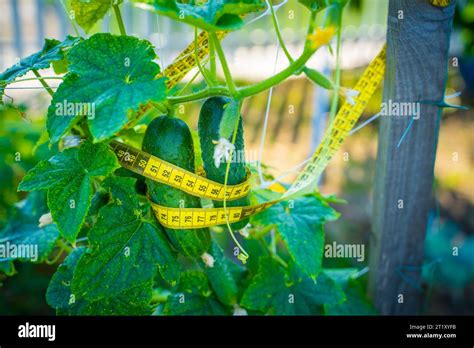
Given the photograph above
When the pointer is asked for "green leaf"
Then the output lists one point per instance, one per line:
(135, 301)
(132, 302)
(58, 294)
(22, 239)
(277, 291)
(299, 222)
(127, 248)
(221, 277)
(52, 51)
(109, 78)
(194, 297)
(356, 302)
(207, 15)
(68, 178)
(89, 12)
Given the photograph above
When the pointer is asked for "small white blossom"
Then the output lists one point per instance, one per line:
(239, 311)
(44, 220)
(245, 231)
(222, 150)
(208, 260)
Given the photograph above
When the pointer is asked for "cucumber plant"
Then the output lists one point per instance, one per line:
(93, 219)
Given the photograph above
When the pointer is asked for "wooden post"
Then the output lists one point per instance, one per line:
(417, 57)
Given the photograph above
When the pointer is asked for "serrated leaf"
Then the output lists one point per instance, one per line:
(127, 248)
(109, 78)
(58, 294)
(194, 297)
(88, 13)
(356, 302)
(133, 302)
(221, 277)
(299, 222)
(277, 291)
(52, 51)
(23, 235)
(68, 178)
(208, 15)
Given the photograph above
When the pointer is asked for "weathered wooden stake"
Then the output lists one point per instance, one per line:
(417, 56)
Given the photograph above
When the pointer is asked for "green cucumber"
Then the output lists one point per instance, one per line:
(170, 139)
(210, 118)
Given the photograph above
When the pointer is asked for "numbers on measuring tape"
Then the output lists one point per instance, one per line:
(161, 171)
(164, 172)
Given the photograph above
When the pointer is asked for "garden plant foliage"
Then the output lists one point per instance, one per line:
(112, 255)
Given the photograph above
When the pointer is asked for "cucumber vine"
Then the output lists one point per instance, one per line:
(95, 220)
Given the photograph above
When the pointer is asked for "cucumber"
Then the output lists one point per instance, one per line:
(170, 139)
(210, 118)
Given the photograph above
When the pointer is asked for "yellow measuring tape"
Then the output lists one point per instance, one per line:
(186, 61)
(187, 218)
(164, 172)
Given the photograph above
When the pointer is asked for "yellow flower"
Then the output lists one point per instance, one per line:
(200, 2)
(321, 37)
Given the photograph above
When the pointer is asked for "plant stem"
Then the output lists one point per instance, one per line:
(189, 83)
(212, 57)
(314, 75)
(198, 61)
(263, 232)
(294, 67)
(43, 82)
(275, 256)
(278, 33)
(244, 254)
(118, 16)
(36, 79)
(312, 24)
(205, 93)
(273, 246)
(249, 90)
(64, 246)
(278, 78)
(279, 260)
(225, 67)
